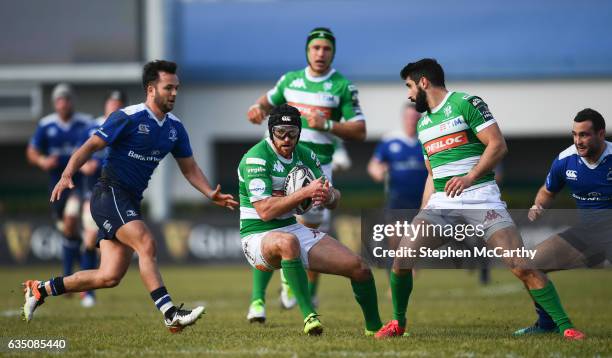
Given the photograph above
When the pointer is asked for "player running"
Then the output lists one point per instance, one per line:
(462, 144)
(138, 137)
(272, 238)
(329, 106)
(398, 160)
(586, 167)
(57, 136)
(91, 171)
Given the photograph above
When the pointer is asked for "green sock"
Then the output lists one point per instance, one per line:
(260, 282)
(548, 298)
(401, 287)
(365, 294)
(298, 281)
(312, 286)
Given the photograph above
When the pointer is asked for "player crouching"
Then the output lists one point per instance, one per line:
(271, 237)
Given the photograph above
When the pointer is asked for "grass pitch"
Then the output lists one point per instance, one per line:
(449, 314)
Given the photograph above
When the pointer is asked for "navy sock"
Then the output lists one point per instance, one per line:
(544, 319)
(57, 286)
(163, 302)
(70, 251)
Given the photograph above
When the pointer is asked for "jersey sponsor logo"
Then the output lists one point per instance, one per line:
(314, 157)
(447, 142)
(256, 161)
(482, 107)
(452, 123)
(257, 187)
(327, 98)
(278, 167)
(571, 174)
(327, 85)
(143, 129)
(256, 170)
(144, 158)
(155, 152)
(130, 213)
(308, 110)
(298, 83)
(173, 135)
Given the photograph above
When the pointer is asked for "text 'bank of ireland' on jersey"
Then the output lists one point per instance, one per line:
(261, 174)
(331, 96)
(137, 142)
(448, 134)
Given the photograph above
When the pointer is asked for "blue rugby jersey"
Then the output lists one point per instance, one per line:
(407, 172)
(137, 142)
(590, 184)
(56, 137)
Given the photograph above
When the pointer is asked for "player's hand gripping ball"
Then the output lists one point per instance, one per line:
(299, 177)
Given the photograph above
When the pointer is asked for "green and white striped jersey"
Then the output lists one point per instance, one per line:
(261, 174)
(331, 96)
(448, 133)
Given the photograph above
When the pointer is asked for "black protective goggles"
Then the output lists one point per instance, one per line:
(283, 131)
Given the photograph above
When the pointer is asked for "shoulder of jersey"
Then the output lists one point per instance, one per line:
(134, 109)
(173, 117)
(48, 119)
(568, 152)
(257, 151)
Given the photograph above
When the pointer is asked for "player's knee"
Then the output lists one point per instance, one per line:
(110, 279)
(523, 274)
(147, 248)
(289, 245)
(360, 271)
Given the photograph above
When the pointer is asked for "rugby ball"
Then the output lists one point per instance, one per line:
(299, 177)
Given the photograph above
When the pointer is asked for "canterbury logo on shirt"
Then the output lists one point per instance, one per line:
(447, 142)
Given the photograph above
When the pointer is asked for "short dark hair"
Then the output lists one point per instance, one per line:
(592, 115)
(428, 68)
(151, 70)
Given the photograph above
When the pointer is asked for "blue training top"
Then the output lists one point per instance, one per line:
(56, 137)
(590, 184)
(137, 142)
(407, 172)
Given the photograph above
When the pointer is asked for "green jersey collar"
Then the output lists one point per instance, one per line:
(438, 107)
(320, 78)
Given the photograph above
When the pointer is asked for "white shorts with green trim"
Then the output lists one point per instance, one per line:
(251, 245)
(478, 205)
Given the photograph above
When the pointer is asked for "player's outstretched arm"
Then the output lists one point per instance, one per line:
(275, 206)
(194, 175)
(377, 170)
(495, 150)
(258, 111)
(92, 145)
(543, 200)
(35, 157)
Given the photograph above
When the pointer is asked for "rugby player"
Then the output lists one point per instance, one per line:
(57, 136)
(462, 143)
(330, 107)
(91, 171)
(398, 158)
(271, 236)
(586, 168)
(139, 137)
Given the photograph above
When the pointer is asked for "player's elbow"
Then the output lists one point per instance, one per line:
(360, 135)
(263, 211)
